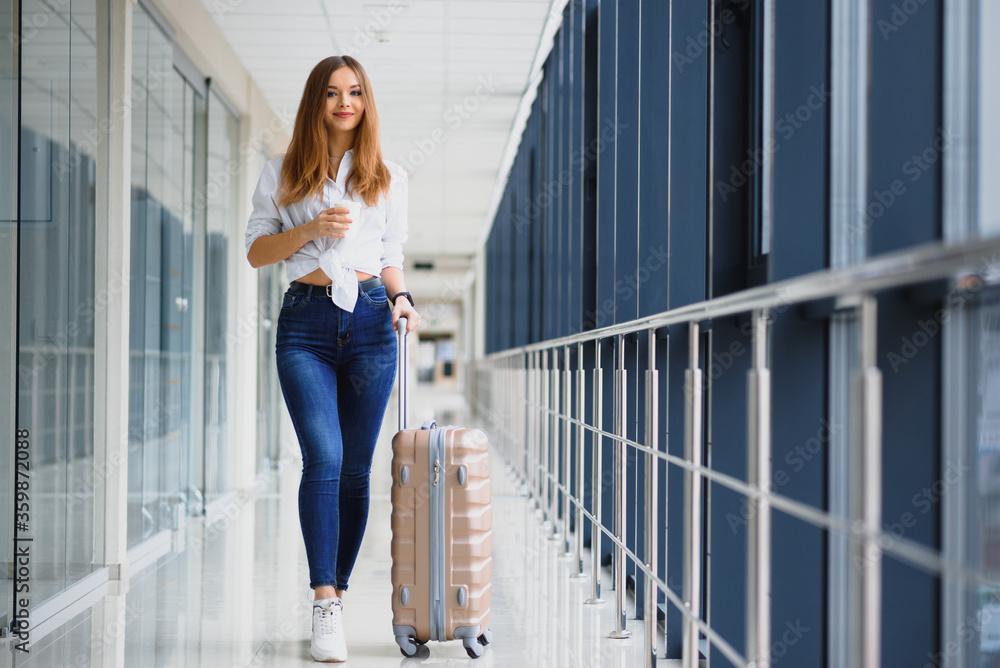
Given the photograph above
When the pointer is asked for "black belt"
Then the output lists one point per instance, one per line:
(312, 290)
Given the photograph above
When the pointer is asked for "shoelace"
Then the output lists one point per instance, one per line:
(327, 616)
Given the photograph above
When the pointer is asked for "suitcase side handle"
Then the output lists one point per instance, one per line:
(403, 347)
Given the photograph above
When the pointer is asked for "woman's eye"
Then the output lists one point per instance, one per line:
(356, 91)
(330, 93)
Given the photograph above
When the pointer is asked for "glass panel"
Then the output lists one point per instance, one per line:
(984, 371)
(271, 284)
(185, 283)
(138, 524)
(989, 108)
(81, 291)
(196, 145)
(8, 273)
(163, 215)
(160, 202)
(221, 222)
(56, 318)
(271, 287)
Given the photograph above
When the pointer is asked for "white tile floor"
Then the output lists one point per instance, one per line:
(237, 595)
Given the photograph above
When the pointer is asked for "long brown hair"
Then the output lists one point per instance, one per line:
(307, 160)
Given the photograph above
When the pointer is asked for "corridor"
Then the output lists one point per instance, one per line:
(237, 596)
(719, 280)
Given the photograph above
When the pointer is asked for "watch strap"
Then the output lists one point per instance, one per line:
(402, 294)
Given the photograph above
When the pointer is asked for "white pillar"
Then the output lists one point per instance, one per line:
(244, 326)
(111, 324)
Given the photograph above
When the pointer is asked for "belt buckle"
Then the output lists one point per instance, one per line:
(329, 290)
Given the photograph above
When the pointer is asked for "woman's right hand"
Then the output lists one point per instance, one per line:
(331, 222)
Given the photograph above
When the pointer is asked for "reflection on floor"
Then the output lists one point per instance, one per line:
(237, 594)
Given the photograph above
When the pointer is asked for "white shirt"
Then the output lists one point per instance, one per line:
(376, 239)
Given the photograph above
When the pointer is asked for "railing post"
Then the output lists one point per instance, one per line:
(497, 403)
(536, 434)
(524, 387)
(508, 408)
(621, 398)
(759, 477)
(867, 490)
(651, 500)
(567, 458)
(510, 417)
(692, 497)
(531, 429)
(581, 391)
(519, 392)
(554, 450)
(596, 475)
(543, 426)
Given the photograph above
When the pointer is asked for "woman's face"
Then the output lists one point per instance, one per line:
(344, 104)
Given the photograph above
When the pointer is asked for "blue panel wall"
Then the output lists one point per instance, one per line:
(907, 141)
(606, 140)
(575, 167)
(687, 266)
(653, 201)
(590, 143)
(635, 190)
(799, 350)
(626, 151)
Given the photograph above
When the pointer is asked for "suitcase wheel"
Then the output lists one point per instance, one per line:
(486, 637)
(407, 647)
(472, 647)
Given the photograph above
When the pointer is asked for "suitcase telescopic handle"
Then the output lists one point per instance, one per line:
(403, 345)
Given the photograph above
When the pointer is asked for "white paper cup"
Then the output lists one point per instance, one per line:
(354, 215)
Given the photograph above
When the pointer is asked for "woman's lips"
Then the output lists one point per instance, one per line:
(344, 114)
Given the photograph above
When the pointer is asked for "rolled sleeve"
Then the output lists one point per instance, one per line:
(396, 223)
(265, 218)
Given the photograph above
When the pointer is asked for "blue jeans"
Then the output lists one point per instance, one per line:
(336, 371)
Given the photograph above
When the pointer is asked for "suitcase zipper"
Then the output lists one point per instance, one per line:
(437, 537)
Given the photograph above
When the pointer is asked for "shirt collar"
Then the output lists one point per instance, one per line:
(348, 152)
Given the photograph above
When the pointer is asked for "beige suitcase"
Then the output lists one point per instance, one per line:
(442, 535)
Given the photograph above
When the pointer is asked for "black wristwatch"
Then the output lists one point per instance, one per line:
(402, 294)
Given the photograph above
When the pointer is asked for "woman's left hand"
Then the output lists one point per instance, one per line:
(403, 308)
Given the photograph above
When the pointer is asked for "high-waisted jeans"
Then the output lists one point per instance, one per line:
(336, 371)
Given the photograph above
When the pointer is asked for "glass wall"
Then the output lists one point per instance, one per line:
(184, 214)
(8, 270)
(183, 225)
(983, 373)
(271, 284)
(166, 125)
(221, 209)
(56, 283)
(989, 107)
(984, 414)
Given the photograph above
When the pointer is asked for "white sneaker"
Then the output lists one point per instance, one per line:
(328, 642)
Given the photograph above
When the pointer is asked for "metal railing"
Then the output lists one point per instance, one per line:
(526, 404)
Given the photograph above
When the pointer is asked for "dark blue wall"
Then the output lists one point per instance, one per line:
(653, 120)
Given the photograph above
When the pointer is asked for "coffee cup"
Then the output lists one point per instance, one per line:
(354, 215)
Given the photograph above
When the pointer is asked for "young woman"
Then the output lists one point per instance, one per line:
(336, 347)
